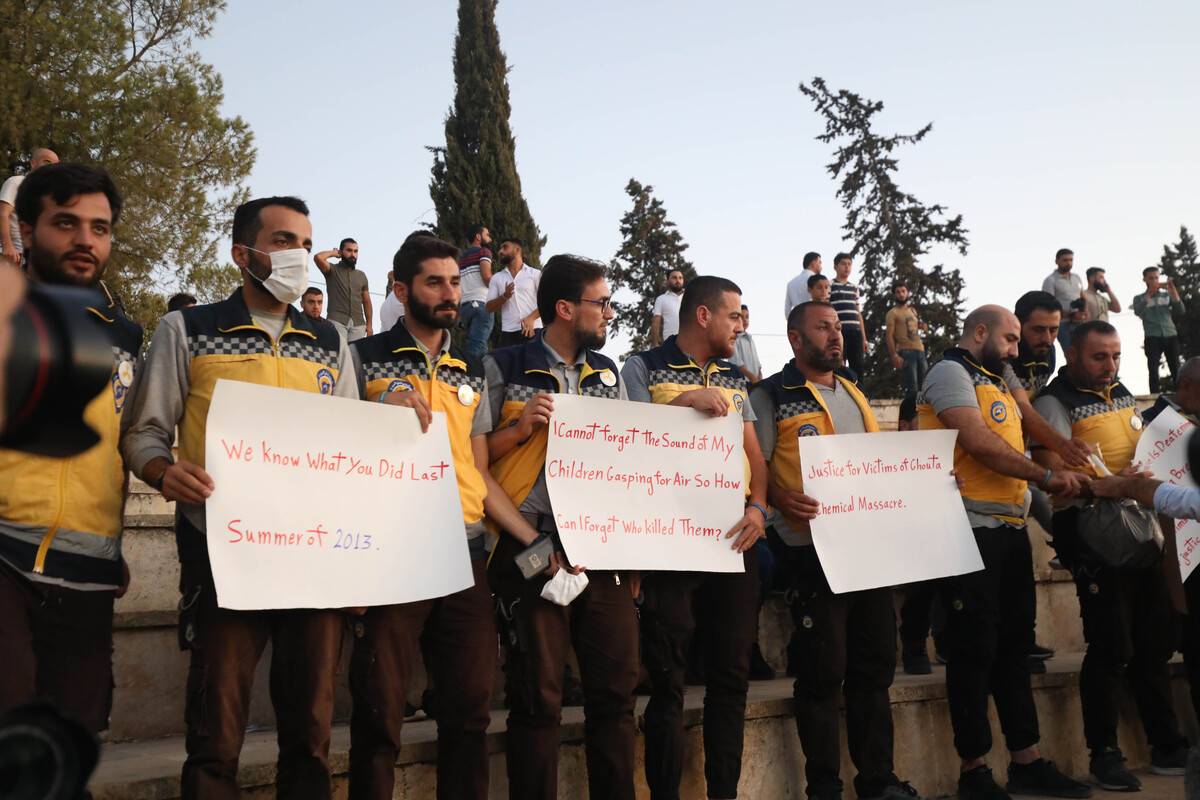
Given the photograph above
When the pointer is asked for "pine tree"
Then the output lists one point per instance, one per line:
(651, 247)
(890, 229)
(1184, 269)
(120, 83)
(474, 179)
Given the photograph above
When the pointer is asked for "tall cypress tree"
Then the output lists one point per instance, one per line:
(1182, 263)
(890, 229)
(475, 177)
(651, 246)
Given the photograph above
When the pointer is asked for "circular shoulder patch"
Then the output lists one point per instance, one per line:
(739, 402)
(325, 381)
(809, 430)
(998, 411)
(400, 386)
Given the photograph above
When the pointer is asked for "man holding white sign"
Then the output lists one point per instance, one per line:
(414, 365)
(254, 336)
(691, 370)
(575, 304)
(1128, 620)
(845, 642)
(990, 613)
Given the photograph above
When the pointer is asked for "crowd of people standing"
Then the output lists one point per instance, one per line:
(1022, 431)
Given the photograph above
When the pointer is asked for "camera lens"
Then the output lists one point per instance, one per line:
(60, 358)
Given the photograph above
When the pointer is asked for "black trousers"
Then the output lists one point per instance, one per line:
(919, 613)
(667, 625)
(852, 347)
(989, 632)
(1190, 645)
(511, 338)
(1130, 628)
(846, 646)
(1156, 348)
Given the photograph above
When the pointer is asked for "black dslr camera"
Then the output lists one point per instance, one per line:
(60, 358)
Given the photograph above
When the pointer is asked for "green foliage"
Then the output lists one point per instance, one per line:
(117, 83)
(1182, 263)
(474, 178)
(651, 246)
(890, 228)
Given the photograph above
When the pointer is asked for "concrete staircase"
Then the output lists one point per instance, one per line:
(144, 749)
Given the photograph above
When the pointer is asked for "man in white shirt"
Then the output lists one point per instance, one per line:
(664, 322)
(391, 311)
(1067, 288)
(11, 247)
(797, 288)
(513, 290)
(745, 354)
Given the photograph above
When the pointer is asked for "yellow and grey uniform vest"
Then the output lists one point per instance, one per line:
(527, 373)
(985, 492)
(800, 410)
(1108, 419)
(670, 373)
(224, 342)
(62, 517)
(1033, 371)
(453, 384)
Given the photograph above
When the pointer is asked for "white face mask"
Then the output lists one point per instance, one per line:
(289, 273)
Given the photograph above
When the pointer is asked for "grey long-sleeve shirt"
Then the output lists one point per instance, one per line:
(161, 388)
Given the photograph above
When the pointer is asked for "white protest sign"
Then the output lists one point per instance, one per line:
(1162, 450)
(641, 486)
(324, 502)
(890, 509)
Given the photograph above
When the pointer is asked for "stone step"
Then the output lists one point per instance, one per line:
(150, 671)
(772, 764)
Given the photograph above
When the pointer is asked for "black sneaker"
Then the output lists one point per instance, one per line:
(1041, 653)
(916, 660)
(894, 789)
(1168, 762)
(1041, 777)
(978, 784)
(1108, 771)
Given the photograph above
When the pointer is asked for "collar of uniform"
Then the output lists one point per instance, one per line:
(401, 339)
(677, 359)
(1105, 395)
(1027, 358)
(233, 313)
(556, 359)
(537, 359)
(793, 378)
(963, 355)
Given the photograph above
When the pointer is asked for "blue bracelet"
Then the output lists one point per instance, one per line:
(761, 510)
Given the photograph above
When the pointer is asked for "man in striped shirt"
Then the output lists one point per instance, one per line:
(475, 273)
(844, 296)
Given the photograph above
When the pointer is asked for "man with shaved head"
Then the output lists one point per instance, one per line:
(11, 246)
(990, 613)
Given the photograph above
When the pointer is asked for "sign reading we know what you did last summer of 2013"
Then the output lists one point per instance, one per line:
(642, 486)
(325, 502)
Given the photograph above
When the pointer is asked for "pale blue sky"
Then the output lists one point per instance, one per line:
(1055, 124)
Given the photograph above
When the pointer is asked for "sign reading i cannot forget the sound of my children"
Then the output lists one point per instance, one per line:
(1162, 450)
(641, 486)
(890, 508)
(324, 502)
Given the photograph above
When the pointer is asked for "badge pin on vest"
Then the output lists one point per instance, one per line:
(607, 378)
(465, 394)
